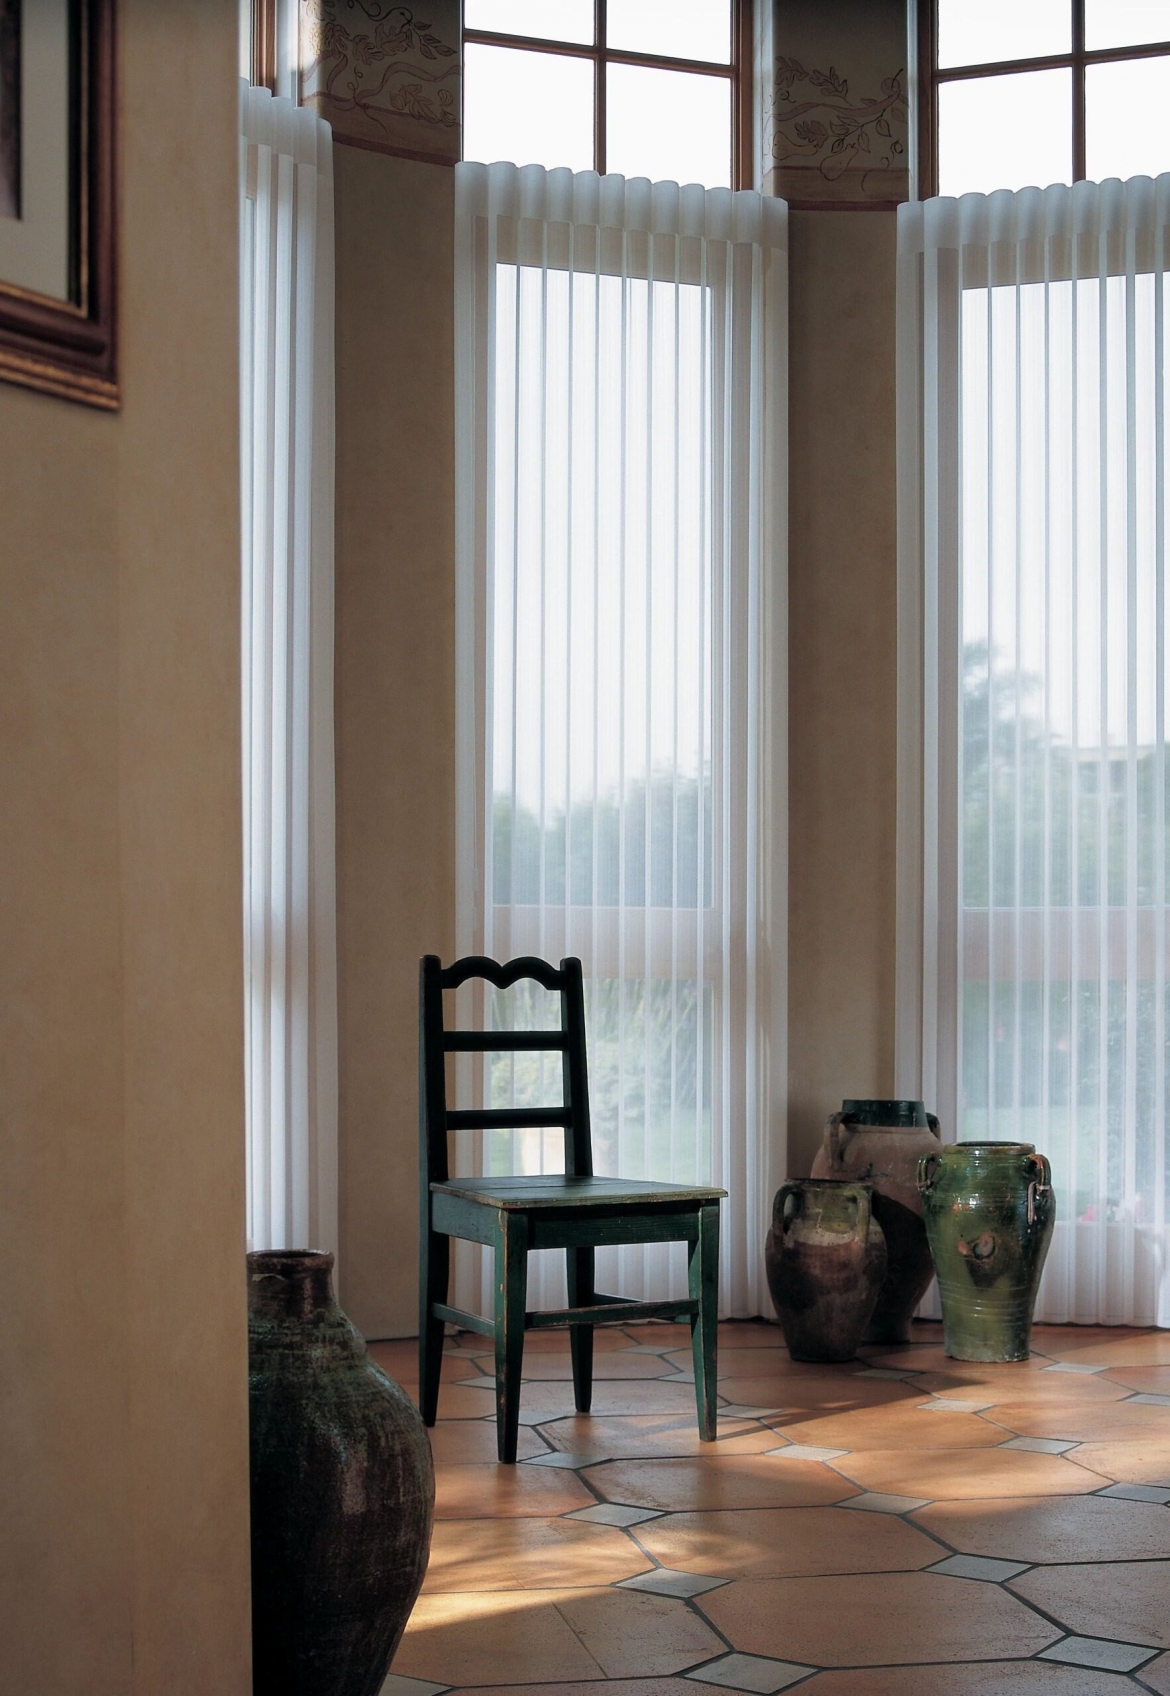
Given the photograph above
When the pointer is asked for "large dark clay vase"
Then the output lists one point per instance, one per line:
(881, 1143)
(989, 1214)
(343, 1490)
(825, 1258)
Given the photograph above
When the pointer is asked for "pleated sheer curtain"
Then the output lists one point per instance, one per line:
(1033, 807)
(621, 401)
(287, 419)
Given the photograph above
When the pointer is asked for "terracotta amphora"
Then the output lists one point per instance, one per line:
(880, 1143)
(343, 1490)
(989, 1215)
(825, 1257)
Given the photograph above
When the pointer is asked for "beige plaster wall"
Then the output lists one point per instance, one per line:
(842, 678)
(395, 695)
(123, 1413)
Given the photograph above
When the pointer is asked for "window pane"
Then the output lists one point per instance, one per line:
(568, 20)
(1125, 119)
(971, 33)
(1126, 23)
(684, 29)
(1012, 131)
(530, 108)
(670, 126)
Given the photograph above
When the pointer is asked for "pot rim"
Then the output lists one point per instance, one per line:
(289, 1262)
(900, 1113)
(988, 1148)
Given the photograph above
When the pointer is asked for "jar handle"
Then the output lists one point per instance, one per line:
(932, 1121)
(837, 1122)
(928, 1165)
(780, 1214)
(1041, 1184)
(864, 1212)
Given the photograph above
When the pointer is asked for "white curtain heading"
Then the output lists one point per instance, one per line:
(1033, 758)
(289, 903)
(621, 402)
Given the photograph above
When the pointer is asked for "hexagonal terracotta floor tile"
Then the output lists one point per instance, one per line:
(1033, 1383)
(961, 1474)
(778, 1542)
(1107, 1348)
(610, 1687)
(1143, 1461)
(531, 1636)
(1055, 1530)
(609, 1366)
(984, 1678)
(819, 1390)
(905, 1425)
(1156, 1675)
(1084, 1422)
(458, 1401)
(654, 1435)
(1153, 1380)
(510, 1554)
(741, 1481)
(468, 1441)
(878, 1619)
(1125, 1600)
(749, 1362)
(501, 1492)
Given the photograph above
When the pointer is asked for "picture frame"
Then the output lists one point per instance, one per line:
(58, 250)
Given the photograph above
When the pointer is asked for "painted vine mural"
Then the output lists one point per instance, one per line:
(385, 75)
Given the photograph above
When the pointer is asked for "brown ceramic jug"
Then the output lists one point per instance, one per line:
(825, 1258)
(880, 1143)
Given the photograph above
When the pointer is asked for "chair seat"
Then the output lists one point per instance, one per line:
(554, 1190)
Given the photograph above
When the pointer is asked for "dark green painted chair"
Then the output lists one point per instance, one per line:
(577, 1212)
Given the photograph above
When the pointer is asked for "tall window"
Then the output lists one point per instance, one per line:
(1017, 94)
(645, 88)
(1033, 452)
(621, 400)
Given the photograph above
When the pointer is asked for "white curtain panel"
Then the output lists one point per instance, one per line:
(621, 399)
(1033, 799)
(287, 442)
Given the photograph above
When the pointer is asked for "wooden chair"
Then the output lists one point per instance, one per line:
(577, 1212)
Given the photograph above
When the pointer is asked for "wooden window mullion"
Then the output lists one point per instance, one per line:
(1078, 91)
(600, 25)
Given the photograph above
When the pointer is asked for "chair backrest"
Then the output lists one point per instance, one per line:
(435, 1042)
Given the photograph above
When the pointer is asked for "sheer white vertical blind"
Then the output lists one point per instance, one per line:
(289, 908)
(1033, 808)
(621, 394)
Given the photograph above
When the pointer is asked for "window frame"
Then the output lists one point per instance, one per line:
(1077, 59)
(737, 71)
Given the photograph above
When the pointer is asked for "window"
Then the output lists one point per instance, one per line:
(1052, 91)
(1035, 970)
(645, 88)
(621, 408)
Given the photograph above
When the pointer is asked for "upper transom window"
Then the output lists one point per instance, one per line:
(1015, 95)
(647, 88)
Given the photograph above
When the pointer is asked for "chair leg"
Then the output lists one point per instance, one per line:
(703, 1276)
(511, 1296)
(581, 1288)
(433, 1277)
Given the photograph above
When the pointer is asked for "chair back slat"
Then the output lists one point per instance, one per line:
(435, 1042)
(518, 1042)
(508, 1118)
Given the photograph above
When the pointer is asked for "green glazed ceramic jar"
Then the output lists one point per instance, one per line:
(989, 1211)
